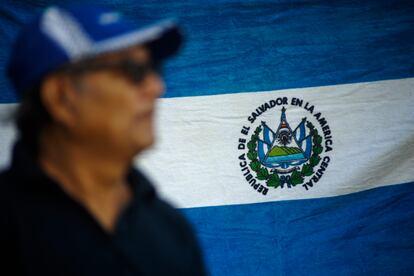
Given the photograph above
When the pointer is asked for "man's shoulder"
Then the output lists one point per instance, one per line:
(174, 215)
(175, 220)
(176, 225)
(169, 216)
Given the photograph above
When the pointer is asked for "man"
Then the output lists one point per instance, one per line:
(71, 203)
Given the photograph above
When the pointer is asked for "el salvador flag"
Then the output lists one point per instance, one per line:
(351, 210)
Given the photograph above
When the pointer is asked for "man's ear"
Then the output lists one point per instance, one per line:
(59, 99)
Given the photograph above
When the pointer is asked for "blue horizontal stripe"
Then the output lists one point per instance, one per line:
(241, 46)
(366, 233)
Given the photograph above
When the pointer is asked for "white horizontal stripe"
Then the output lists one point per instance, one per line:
(195, 162)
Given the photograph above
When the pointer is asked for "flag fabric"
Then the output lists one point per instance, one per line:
(286, 135)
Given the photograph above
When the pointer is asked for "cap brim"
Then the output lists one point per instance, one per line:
(167, 44)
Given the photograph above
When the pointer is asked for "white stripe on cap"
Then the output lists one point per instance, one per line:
(66, 32)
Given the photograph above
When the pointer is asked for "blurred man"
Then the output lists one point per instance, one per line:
(71, 203)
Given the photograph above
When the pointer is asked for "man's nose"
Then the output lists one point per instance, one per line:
(154, 85)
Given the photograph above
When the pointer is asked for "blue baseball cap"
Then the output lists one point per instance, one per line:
(63, 34)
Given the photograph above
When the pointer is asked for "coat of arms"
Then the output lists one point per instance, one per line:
(284, 155)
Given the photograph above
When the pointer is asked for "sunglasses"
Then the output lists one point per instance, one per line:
(132, 70)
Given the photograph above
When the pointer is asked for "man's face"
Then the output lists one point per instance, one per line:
(114, 112)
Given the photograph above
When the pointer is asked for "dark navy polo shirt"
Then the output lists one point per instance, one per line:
(43, 231)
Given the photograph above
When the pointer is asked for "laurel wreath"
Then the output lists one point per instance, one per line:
(297, 176)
